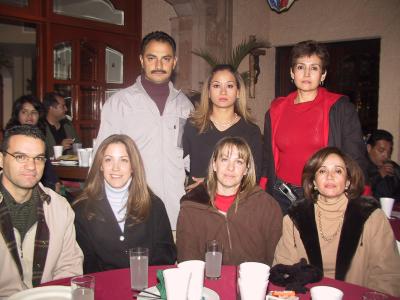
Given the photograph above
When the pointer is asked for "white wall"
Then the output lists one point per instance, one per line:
(259, 13)
(156, 15)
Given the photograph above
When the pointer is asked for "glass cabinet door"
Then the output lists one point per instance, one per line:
(114, 66)
(62, 58)
(90, 66)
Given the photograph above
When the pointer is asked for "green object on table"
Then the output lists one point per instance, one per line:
(161, 285)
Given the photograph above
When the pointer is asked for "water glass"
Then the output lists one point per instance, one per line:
(139, 264)
(76, 147)
(84, 157)
(83, 287)
(213, 259)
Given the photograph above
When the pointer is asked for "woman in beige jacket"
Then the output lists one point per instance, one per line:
(335, 229)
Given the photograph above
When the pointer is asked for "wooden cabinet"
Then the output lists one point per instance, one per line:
(84, 59)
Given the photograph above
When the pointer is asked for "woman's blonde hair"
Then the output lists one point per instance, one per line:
(139, 197)
(244, 151)
(200, 118)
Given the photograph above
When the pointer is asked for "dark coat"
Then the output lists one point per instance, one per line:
(344, 132)
(357, 212)
(366, 255)
(106, 247)
(388, 186)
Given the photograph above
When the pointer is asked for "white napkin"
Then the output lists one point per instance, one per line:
(176, 283)
(253, 280)
(196, 269)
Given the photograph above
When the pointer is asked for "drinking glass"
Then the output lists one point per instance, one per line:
(213, 259)
(83, 287)
(139, 264)
(76, 147)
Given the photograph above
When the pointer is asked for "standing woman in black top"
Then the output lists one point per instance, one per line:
(222, 112)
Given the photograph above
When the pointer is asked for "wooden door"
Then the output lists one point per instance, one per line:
(87, 67)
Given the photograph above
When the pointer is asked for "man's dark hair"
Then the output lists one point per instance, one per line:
(158, 36)
(27, 130)
(378, 135)
(50, 100)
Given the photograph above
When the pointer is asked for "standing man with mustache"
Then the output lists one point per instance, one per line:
(153, 113)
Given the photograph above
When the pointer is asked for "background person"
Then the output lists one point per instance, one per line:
(117, 211)
(37, 240)
(59, 130)
(28, 110)
(231, 208)
(383, 173)
(222, 112)
(298, 125)
(153, 113)
(336, 230)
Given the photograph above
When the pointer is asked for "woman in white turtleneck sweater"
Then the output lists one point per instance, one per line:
(117, 211)
(334, 228)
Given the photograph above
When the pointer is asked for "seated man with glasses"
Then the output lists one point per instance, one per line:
(37, 240)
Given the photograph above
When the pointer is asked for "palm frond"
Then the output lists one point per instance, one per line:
(243, 49)
(237, 55)
(208, 57)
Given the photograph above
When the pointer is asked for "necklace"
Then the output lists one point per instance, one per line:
(328, 238)
(225, 124)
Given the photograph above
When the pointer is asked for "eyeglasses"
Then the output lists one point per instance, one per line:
(23, 158)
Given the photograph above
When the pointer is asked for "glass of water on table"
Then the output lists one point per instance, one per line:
(139, 264)
(213, 259)
(83, 287)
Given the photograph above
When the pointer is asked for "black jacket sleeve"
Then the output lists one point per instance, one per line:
(345, 132)
(255, 142)
(163, 250)
(268, 166)
(90, 261)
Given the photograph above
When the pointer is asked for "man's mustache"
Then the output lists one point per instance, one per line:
(158, 71)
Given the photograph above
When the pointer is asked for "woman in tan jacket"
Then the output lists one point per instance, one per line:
(345, 235)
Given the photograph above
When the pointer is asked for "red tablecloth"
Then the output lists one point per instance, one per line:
(115, 284)
(396, 227)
